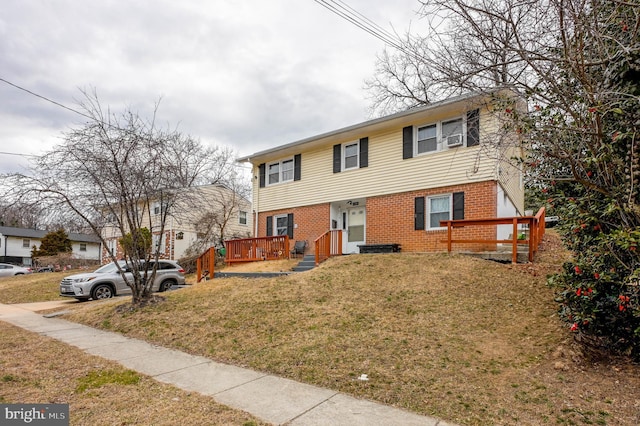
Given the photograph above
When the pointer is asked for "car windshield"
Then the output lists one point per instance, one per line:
(108, 268)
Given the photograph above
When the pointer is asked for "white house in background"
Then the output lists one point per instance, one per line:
(16, 245)
(197, 216)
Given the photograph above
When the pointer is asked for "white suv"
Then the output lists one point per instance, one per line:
(106, 281)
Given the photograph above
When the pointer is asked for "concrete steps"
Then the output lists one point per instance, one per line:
(307, 263)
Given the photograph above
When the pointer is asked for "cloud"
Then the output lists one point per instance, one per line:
(250, 75)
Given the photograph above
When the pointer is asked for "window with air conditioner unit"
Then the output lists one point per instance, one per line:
(440, 136)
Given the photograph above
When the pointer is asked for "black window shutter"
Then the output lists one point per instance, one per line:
(364, 152)
(290, 225)
(407, 142)
(263, 172)
(269, 226)
(419, 214)
(297, 171)
(458, 205)
(473, 127)
(337, 161)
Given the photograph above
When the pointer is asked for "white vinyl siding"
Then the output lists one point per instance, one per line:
(388, 172)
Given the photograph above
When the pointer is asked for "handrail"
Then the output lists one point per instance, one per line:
(327, 245)
(536, 231)
(255, 249)
(205, 265)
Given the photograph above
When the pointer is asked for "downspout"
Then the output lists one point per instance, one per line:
(256, 197)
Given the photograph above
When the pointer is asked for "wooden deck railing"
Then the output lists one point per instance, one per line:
(205, 264)
(254, 249)
(536, 226)
(327, 245)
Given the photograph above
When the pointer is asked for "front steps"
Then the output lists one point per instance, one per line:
(307, 263)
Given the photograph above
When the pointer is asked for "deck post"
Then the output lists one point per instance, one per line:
(212, 262)
(514, 254)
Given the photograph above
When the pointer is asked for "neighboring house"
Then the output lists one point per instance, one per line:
(391, 179)
(199, 217)
(16, 245)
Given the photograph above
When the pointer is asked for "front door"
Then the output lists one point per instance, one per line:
(355, 228)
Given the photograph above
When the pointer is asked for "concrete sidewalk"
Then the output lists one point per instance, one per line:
(270, 398)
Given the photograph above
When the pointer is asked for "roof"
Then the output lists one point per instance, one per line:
(10, 231)
(370, 125)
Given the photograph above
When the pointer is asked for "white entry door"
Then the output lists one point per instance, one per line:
(355, 229)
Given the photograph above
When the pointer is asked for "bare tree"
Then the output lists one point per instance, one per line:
(111, 171)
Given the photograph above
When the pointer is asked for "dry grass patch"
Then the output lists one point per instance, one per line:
(40, 287)
(266, 266)
(36, 369)
(467, 340)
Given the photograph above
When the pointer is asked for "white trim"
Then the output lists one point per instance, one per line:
(442, 142)
(343, 155)
(280, 164)
(275, 223)
(427, 209)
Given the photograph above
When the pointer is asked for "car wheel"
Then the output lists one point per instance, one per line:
(101, 291)
(166, 285)
(19, 273)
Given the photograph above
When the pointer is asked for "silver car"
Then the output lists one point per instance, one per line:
(106, 281)
(7, 270)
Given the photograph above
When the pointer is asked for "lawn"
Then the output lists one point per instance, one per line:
(470, 341)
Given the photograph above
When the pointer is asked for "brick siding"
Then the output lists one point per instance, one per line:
(390, 219)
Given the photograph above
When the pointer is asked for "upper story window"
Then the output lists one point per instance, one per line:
(282, 171)
(440, 136)
(351, 155)
(242, 217)
(158, 208)
(276, 172)
(26, 243)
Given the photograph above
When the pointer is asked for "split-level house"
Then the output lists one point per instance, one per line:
(202, 214)
(16, 245)
(391, 180)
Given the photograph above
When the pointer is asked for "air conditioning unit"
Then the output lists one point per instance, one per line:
(454, 140)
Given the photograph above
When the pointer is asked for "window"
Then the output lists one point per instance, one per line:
(427, 138)
(281, 225)
(440, 136)
(282, 171)
(26, 243)
(439, 209)
(83, 246)
(350, 156)
(158, 208)
(242, 217)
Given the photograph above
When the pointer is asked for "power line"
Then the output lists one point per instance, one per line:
(46, 99)
(17, 154)
(356, 18)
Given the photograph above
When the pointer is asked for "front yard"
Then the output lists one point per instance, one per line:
(470, 341)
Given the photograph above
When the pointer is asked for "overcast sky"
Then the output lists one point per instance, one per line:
(248, 74)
